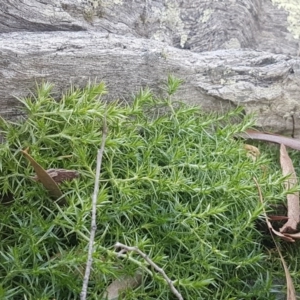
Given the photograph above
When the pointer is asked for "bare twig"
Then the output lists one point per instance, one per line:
(93, 222)
(152, 264)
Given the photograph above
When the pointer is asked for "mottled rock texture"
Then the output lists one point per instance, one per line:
(228, 52)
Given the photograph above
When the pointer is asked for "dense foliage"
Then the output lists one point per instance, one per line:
(174, 182)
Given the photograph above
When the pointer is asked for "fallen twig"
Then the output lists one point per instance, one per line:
(152, 264)
(94, 210)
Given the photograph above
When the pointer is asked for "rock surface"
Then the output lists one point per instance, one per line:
(228, 53)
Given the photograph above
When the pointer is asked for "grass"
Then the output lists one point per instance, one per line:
(175, 182)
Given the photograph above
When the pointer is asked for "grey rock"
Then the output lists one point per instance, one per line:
(227, 52)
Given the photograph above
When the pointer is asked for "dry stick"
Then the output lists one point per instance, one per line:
(93, 222)
(155, 266)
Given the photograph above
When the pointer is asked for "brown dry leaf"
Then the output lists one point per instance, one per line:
(268, 137)
(114, 290)
(252, 151)
(281, 235)
(292, 199)
(291, 293)
(60, 175)
(45, 179)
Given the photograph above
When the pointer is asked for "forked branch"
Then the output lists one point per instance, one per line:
(152, 264)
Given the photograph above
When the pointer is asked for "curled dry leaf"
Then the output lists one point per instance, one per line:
(60, 175)
(45, 179)
(271, 229)
(292, 199)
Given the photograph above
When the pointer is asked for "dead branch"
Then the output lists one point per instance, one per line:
(94, 211)
(152, 264)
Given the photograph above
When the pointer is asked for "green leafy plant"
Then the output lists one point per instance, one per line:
(174, 182)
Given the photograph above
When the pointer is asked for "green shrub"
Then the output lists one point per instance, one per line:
(174, 182)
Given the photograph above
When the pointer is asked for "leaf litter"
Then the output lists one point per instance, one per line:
(288, 231)
(291, 292)
(51, 177)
